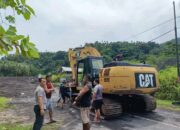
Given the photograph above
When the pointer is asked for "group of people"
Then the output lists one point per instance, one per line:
(87, 97)
(43, 101)
(65, 91)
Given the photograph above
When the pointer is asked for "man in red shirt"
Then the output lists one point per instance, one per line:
(49, 89)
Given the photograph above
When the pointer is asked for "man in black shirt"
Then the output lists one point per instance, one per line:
(84, 101)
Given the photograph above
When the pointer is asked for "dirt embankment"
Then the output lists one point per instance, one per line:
(20, 90)
(16, 87)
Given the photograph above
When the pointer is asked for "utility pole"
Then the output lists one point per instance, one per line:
(176, 40)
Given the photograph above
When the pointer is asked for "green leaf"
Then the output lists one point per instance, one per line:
(27, 14)
(10, 19)
(2, 31)
(30, 9)
(5, 52)
(24, 53)
(10, 48)
(11, 30)
(18, 10)
(17, 50)
(18, 37)
(23, 2)
(33, 53)
(23, 45)
(2, 4)
(6, 41)
(18, 2)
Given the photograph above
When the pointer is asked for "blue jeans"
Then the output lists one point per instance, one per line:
(39, 118)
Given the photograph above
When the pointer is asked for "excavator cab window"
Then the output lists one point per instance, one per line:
(89, 65)
(80, 74)
(97, 64)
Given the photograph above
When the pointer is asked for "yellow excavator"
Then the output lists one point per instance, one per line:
(126, 86)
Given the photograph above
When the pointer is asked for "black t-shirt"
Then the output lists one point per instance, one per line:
(86, 98)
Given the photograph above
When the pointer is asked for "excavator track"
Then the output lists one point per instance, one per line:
(111, 108)
(150, 103)
(146, 103)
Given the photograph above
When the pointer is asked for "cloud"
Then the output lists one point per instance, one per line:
(63, 24)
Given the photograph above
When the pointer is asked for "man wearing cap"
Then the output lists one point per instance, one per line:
(49, 89)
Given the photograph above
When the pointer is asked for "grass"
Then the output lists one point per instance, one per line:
(14, 127)
(3, 103)
(166, 104)
(53, 126)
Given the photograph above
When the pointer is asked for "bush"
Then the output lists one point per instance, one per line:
(10, 68)
(57, 77)
(3, 103)
(169, 88)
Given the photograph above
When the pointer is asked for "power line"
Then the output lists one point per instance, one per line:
(149, 29)
(161, 35)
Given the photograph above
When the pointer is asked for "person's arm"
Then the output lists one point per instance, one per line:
(49, 90)
(52, 89)
(46, 89)
(40, 102)
(95, 92)
(84, 90)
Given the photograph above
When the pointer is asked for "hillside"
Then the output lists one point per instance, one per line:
(158, 55)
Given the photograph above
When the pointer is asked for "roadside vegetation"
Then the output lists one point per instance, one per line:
(158, 55)
(3, 103)
(10, 126)
(169, 87)
(168, 105)
(15, 126)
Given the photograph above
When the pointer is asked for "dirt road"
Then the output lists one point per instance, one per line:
(21, 91)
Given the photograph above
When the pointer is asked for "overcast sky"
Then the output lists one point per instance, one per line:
(64, 24)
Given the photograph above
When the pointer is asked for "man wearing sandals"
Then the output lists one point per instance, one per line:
(97, 99)
(49, 89)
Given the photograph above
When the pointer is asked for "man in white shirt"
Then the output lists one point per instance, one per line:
(40, 104)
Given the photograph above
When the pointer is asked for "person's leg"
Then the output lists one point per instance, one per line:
(36, 118)
(86, 126)
(51, 110)
(85, 118)
(99, 110)
(98, 114)
(39, 119)
(51, 115)
(63, 102)
(95, 117)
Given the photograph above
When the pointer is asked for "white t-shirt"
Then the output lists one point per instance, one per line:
(40, 92)
(98, 89)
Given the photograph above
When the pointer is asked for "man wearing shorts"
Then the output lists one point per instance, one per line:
(49, 89)
(97, 99)
(84, 101)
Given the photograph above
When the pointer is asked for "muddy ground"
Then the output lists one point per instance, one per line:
(21, 90)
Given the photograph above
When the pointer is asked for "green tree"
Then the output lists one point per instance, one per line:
(9, 39)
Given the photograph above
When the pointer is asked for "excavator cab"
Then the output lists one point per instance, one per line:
(90, 65)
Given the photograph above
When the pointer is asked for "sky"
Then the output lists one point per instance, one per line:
(63, 24)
